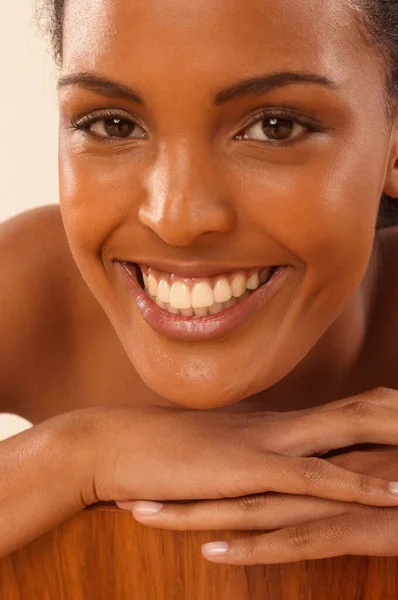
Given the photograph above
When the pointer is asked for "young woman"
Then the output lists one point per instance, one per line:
(213, 306)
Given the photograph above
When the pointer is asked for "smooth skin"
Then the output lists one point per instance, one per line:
(191, 191)
(198, 180)
(303, 527)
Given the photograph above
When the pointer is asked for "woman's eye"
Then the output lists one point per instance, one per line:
(108, 126)
(116, 127)
(273, 129)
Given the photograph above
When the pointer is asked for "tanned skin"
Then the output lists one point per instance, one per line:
(201, 181)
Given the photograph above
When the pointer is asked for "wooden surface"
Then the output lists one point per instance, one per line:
(104, 554)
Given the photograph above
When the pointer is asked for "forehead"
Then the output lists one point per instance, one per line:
(148, 38)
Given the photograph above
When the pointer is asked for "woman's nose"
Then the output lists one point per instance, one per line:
(185, 199)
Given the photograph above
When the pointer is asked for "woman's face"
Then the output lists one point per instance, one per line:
(195, 183)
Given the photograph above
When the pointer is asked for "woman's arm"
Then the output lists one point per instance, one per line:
(43, 471)
(28, 301)
(120, 453)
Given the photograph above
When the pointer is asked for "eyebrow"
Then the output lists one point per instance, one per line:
(253, 86)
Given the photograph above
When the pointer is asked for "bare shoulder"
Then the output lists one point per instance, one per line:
(33, 238)
(38, 278)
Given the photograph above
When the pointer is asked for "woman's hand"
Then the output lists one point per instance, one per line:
(157, 453)
(309, 528)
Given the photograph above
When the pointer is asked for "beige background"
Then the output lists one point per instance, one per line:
(28, 124)
(28, 113)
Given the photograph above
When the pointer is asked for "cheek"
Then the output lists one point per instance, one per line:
(323, 215)
(96, 197)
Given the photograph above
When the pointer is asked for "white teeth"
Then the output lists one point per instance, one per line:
(222, 291)
(201, 300)
(253, 282)
(238, 285)
(179, 295)
(164, 291)
(152, 285)
(202, 295)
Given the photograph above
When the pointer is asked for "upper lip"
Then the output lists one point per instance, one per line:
(196, 269)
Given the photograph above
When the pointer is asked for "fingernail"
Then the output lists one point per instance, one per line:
(144, 508)
(215, 548)
(394, 487)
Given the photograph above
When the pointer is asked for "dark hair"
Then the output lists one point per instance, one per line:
(379, 26)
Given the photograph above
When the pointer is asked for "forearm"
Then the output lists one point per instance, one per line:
(42, 480)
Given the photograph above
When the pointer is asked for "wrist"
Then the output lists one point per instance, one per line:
(76, 435)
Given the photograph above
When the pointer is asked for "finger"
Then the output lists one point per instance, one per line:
(367, 533)
(255, 512)
(382, 395)
(356, 422)
(311, 476)
(314, 476)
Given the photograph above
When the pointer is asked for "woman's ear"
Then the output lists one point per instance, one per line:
(391, 182)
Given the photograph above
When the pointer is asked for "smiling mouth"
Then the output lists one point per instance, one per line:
(200, 308)
(198, 297)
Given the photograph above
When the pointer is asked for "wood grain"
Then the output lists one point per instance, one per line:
(104, 554)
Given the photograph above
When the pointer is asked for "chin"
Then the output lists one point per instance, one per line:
(198, 394)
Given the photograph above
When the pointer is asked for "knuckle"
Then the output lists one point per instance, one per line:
(247, 547)
(252, 503)
(305, 537)
(360, 410)
(382, 392)
(381, 395)
(300, 537)
(363, 485)
(183, 512)
(312, 469)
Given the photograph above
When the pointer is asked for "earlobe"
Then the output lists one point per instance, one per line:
(391, 182)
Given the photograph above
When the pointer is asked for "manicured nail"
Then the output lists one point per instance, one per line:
(394, 487)
(215, 548)
(144, 508)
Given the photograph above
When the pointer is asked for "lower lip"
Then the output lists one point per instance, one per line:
(200, 328)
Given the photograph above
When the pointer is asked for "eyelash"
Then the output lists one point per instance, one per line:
(83, 124)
